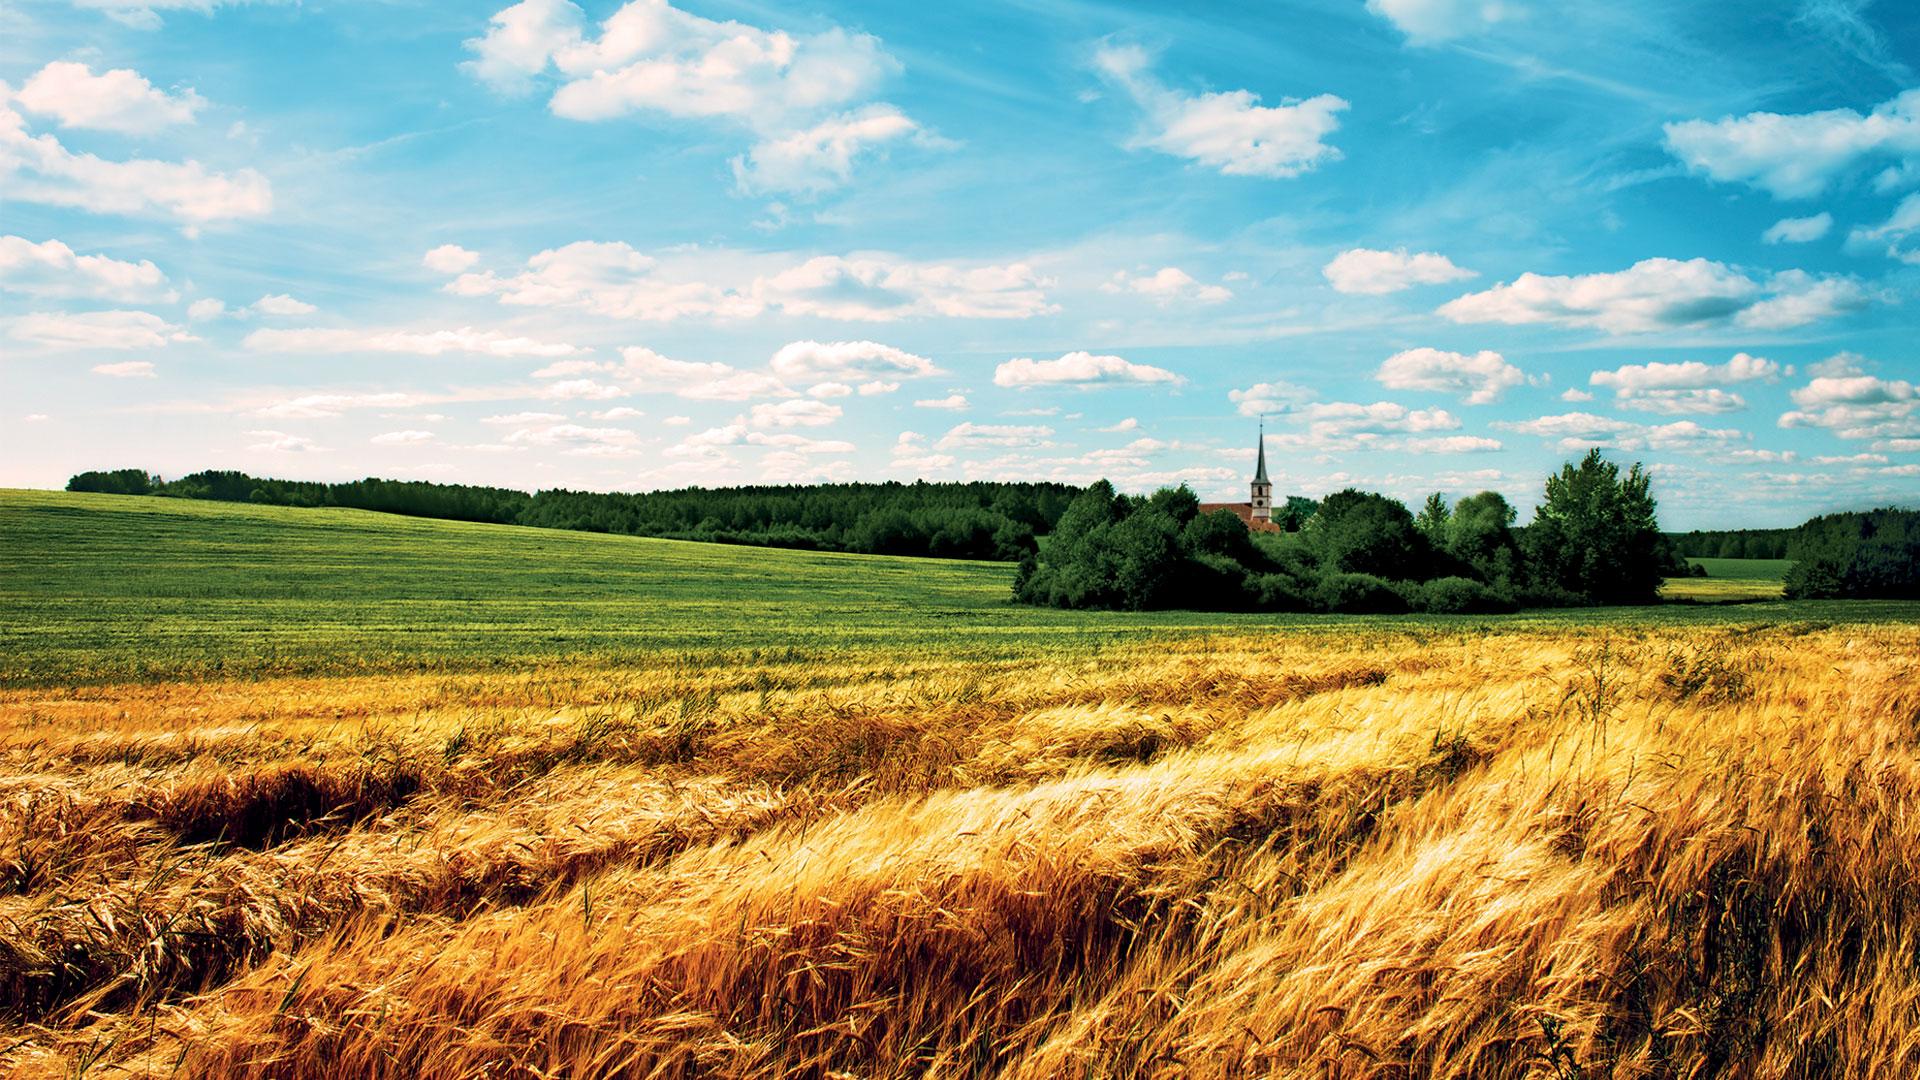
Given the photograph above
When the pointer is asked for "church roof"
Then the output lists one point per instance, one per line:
(1260, 471)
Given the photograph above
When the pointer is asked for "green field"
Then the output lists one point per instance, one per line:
(101, 588)
(1745, 569)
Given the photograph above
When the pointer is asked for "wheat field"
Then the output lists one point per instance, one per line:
(1336, 852)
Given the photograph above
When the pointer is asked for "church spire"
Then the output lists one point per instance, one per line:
(1260, 508)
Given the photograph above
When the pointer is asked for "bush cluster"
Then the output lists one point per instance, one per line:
(1594, 540)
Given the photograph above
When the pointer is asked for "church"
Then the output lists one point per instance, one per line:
(1258, 511)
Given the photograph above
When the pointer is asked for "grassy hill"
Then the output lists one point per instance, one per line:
(100, 587)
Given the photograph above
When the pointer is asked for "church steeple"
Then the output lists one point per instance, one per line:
(1262, 488)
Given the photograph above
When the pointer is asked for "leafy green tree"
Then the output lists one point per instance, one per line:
(1479, 536)
(1433, 518)
(1595, 535)
(1360, 532)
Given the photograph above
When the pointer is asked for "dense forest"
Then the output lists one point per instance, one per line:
(946, 520)
(1734, 543)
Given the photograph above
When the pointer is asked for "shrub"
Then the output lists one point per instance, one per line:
(1875, 555)
(1459, 596)
(1358, 594)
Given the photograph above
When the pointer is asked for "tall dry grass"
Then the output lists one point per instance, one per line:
(1659, 853)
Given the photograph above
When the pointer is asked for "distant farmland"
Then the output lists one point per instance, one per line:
(318, 793)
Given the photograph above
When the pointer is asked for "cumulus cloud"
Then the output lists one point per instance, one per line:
(1079, 369)
(1370, 272)
(1857, 407)
(614, 280)
(1662, 294)
(280, 442)
(972, 436)
(1167, 285)
(120, 100)
(1267, 398)
(802, 360)
(327, 406)
(1479, 379)
(54, 270)
(402, 438)
(1425, 22)
(1576, 431)
(449, 259)
(465, 339)
(1891, 236)
(1129, 424)
(953, 402)
(282, 304)
(819, 158)
(875, 289)
(1798, 230)
(126, 369)
(1690, 387)
(800, 412)
(97, 330)
(1796, 156)
(39, 169)
(651, 57)
(1229, 131)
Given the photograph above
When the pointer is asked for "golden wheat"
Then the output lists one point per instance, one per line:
(1353, 853)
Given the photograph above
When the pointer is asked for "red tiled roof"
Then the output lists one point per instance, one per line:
(1243, 511)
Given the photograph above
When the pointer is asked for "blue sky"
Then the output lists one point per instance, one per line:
(1437, 244)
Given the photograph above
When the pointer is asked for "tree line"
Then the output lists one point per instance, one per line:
(975, 520)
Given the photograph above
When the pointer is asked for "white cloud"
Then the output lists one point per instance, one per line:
(1689, 387)
(118, 100)
(677, 421)
(875, 289)
(951, 401)
(697, 380)
(560, 369)
(1661, 294)
(1369, 272)
(1079, 369)
(1577, 431)
(465, 339)
(826, 390)
(126, 369)
(972, 436)
(652, 56)
(802, 360)
(522, 419)
(819, 158)
(1795, 156)
(449, 259)
(1858, 407)
(1800, 230)
(877, 386)
(1427, 21)
(619, 412)
(579, 390)
(1451, 444)
(614, 280)
(1262, 399)
(402, 438)
(1479, 379)
(799, 412)
(1891, 234)
(1574, 393)
(38, 169)
(1229, 131)
(284, 443)
(282, 304)
(327, 406)
(97, 330)
(206, 308)
(52, 269)
(1168, 285)
(1129, 424)
(577, 440)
